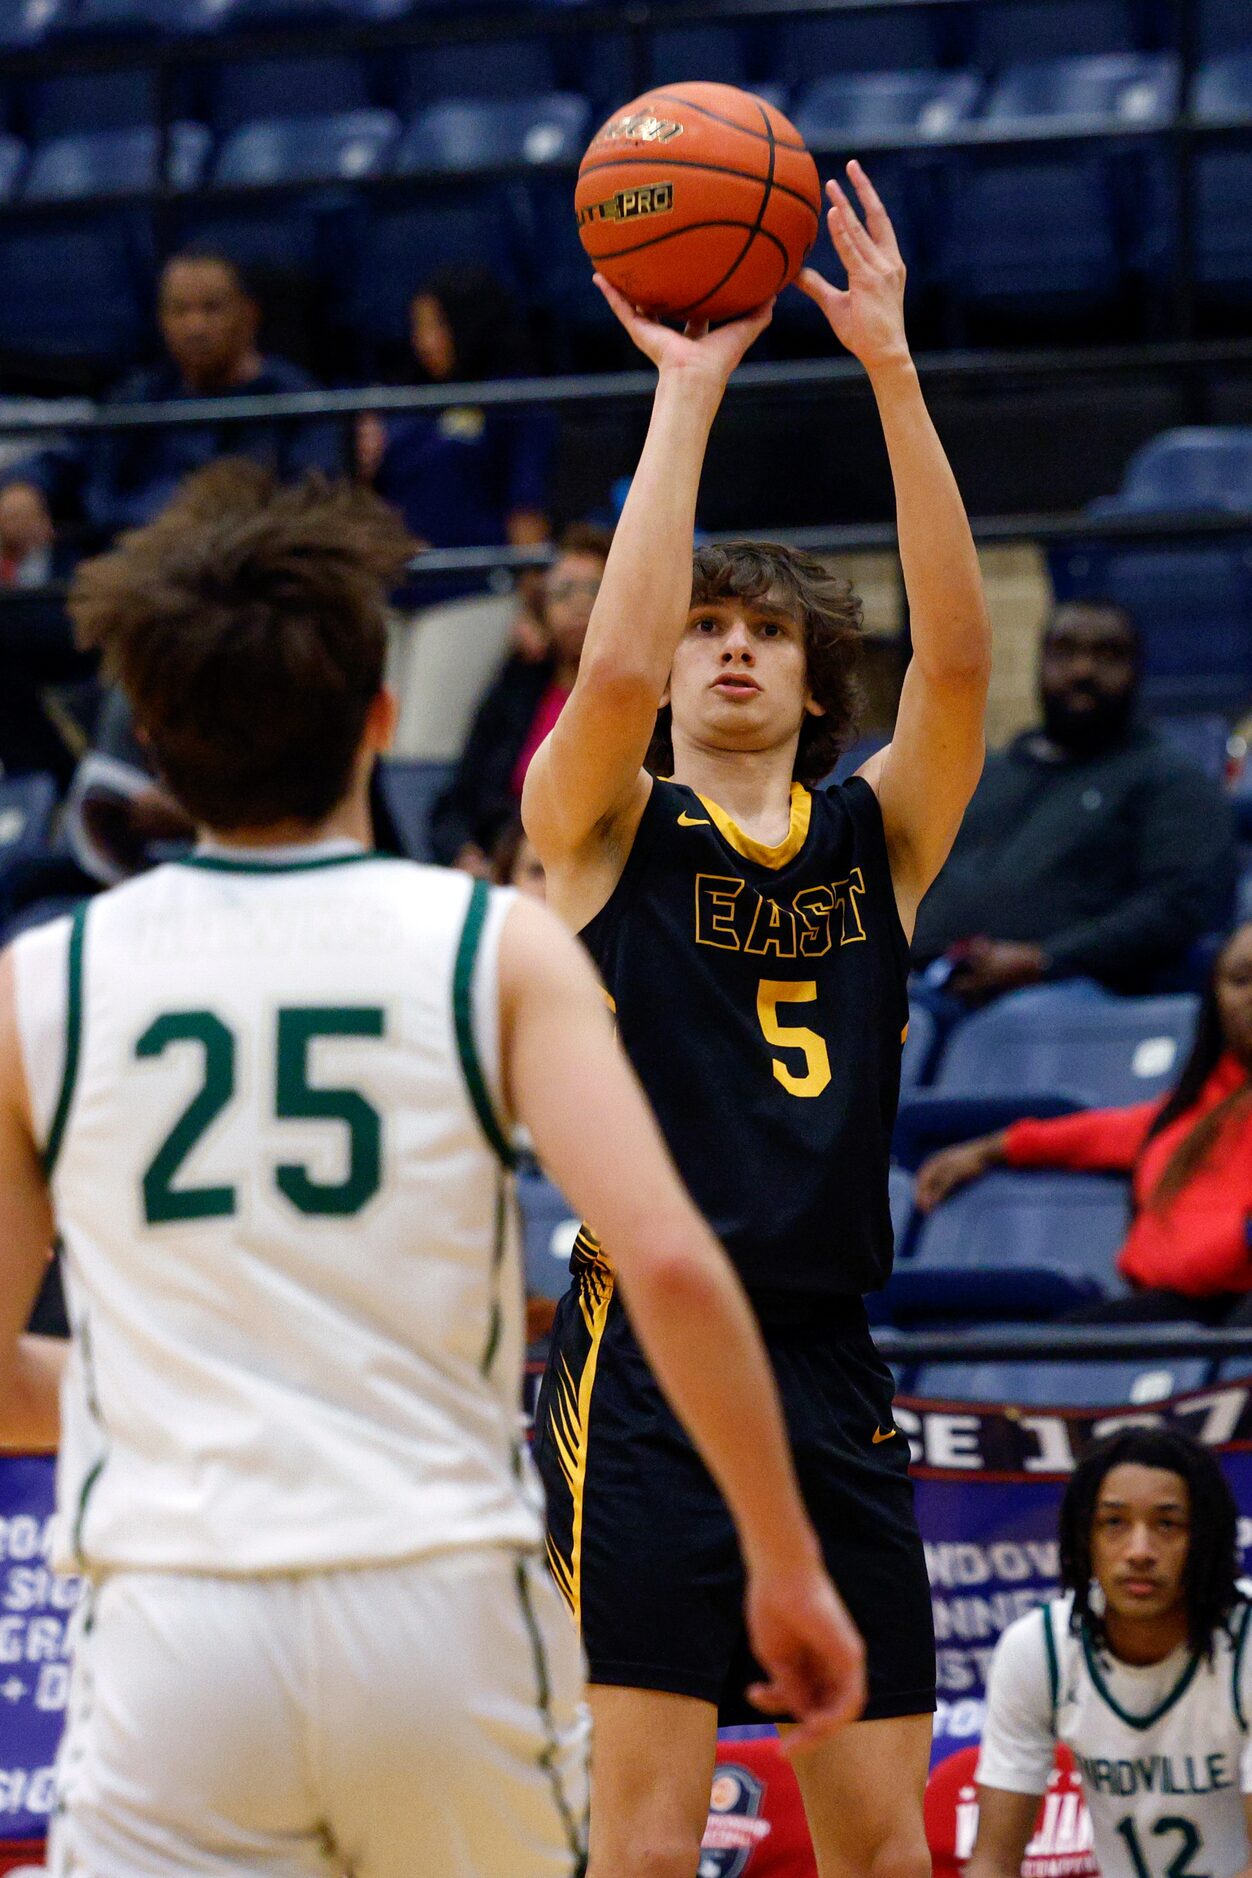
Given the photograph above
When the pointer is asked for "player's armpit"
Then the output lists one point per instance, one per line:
(27, 1381)
(1005, 1823)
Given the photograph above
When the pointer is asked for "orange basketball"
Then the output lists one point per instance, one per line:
(698, 200)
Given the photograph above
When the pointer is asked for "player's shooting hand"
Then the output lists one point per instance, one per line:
(811, 1653)
(709, 352)
(868, 315)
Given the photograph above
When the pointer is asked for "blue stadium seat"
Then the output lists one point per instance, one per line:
(1045, 29)
(1223, 26)
(549, 1224)
(1128, 88)
(346, 145)
(312, 85)
(410, 790)
(69, 103)
(1223, 88)
(1133, 1383)
(1202, 737)
(806, 49)
(27, 804)
(12, 163)
(111, 162)
(1196, 467)
(709, 52)
(900, 1194)
(1029, 235)
(1223, 225)
(488, 68)
(466, 133)
(1041, 1052)
(394, 244)
(79, 289)
(919, 1047)
(885, 104)
(26, 22)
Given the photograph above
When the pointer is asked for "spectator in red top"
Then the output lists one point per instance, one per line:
(1187, 1254)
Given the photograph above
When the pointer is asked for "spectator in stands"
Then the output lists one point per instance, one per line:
(463, 477)
(520, 708)
(209, 320)
(1187, 1254)
(1091, 848)
(26, 536)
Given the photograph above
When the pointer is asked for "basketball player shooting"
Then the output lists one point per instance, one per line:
(753, 935)
(266, 1095)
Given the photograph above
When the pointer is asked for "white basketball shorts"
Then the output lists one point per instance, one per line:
(423, 1720)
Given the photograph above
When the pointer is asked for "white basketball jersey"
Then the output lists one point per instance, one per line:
(1162, 1750)
(268, 1089)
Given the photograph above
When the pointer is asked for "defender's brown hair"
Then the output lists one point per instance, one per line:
(247, 626)
(830, 612)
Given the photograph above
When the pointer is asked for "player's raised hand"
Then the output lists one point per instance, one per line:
(711, 352)
(868, 315)
(810, 1650)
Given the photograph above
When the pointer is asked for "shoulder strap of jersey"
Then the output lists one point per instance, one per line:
(1053, 1660)
(73, 1040)
(1239, 1638)
(463, 1020)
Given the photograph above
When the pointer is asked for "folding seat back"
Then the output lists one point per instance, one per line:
(467, 133)
(1223, 26)
(1223, 87)
(1223, 224)
(1042, 29)
(885, 103)
(1130, 88)
(347, 145)
(410, 790)
(27, 804)
(1025, 232)
(1203, 467)
(69, 103)
(1010, 1223)
(306, 85)
(77, 290)
(816, 48)
(488, 68)
(12, 164)
(919, 1047)
(26, 22)
(112, 162)
(713, 52)
(397, 242)
(1102, 1051)
(549, 1224)
(1133, 1383)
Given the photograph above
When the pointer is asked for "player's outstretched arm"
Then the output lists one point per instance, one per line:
(30, 1367)
(1005, 1824)
(588, 773)
(926, 775)
(569, 1082)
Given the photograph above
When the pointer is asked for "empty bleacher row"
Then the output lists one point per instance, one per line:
(379, 158)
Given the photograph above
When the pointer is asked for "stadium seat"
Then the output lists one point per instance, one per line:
(1223, 225)
(1040, 1053)
(27, 804)
(900, 1194)
(1044, 29)
(243, 91)
(885, 105)
(1222, 26)
(901, 40)
(1127, 88)
(548, 1228)
(1202, 737)
(1223, 88)
(1014, 1244)
(467, 133)
(69, 103)
(78, 290)
(919, 1047)
(706, 52)
(345, 145)
(26, 22)
(12, 163)
(487, 68)
(1031, 235)
(410, 790)
(1133, 1383)
(1196, 467)
(113, 162)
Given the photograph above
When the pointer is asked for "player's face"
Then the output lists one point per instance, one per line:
(739, 679)
(1233, 981)
(1140, 1534)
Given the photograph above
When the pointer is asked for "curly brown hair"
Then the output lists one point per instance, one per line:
(247, 627)
(830, 611)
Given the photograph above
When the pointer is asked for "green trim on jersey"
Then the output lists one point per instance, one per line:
(84, 1494)
(73, 1041)
(575, 1837)
(1237, 1666)
(1141, 1722)
(463, 1020)
(227, 864)
(1054, 1667)
(495, 1322)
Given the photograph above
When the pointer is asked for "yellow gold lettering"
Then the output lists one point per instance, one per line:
(715, 910)
(775, 933)
(815, 906)
(846, 892)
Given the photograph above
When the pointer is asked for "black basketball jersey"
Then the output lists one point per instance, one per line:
(761, 994)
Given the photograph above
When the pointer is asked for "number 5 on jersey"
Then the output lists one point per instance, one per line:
(295, 1099)
(771, 992)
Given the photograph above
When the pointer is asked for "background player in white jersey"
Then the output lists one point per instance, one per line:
(1141, 1668)
(266, 1096)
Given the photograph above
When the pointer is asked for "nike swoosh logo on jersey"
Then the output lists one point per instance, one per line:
(692, 821)
(884, 1434)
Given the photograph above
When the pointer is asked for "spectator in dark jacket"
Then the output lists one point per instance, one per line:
(463, 477)
(209, 322)
(1091, 848)
(520, 708)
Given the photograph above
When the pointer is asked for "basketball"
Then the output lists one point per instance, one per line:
(698, 201)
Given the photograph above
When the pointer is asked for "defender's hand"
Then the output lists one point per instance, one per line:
(868, 316)
(712, 354)
(810, 1650)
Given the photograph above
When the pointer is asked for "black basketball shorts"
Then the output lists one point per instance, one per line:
(639, 1538)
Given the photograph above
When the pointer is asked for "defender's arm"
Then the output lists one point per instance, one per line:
(928, 772)
(30, 1367)
(1005, 1823)
(589, 770)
